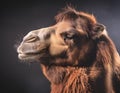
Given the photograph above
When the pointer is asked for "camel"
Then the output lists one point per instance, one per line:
(76, 54)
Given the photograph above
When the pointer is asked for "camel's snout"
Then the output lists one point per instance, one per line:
(34, 44)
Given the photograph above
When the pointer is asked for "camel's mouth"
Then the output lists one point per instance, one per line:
(24, 55)
(31, 55)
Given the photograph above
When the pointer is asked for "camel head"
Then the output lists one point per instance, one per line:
(68, 42)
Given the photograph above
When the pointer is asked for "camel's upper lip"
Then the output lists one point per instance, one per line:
(24, 55)
(31, 53)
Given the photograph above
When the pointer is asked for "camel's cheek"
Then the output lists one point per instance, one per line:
(57, 45)
(57, 49)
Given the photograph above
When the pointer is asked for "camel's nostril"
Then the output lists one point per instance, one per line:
(31, 39)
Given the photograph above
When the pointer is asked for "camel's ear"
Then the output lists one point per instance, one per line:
(97, 30)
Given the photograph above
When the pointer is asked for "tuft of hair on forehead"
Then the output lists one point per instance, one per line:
(66, 13)
(69, 13)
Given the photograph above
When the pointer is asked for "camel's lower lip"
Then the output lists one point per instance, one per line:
(27, 55)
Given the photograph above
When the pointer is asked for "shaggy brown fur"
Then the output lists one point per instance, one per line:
(83, 60)
(96, 73)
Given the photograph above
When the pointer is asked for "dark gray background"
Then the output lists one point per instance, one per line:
(19, 17)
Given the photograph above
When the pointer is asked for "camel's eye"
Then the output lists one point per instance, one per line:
(68, 37)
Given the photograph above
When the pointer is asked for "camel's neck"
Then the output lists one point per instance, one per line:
(75, 81)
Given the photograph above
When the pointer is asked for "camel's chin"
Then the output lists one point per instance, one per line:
(29, 57)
